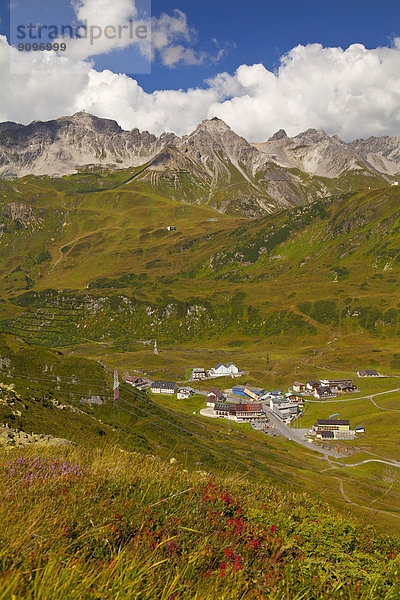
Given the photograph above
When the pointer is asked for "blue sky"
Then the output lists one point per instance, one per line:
(264, 30)
(258, 65)
(254, 32)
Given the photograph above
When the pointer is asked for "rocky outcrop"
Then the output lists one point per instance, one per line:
(316, 153)
(62, 146)
(19, 439)
(16, 211)
(383, 153)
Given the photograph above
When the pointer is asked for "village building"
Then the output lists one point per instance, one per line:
(368, 373)
(336, 429)
(359, 429)
(290, 397)
(298, 387)
(325, 435)
(335, 382)
(324, 392)
(321, 388)
(199, 373)
(135, 381)
(311, 385)
(286, 411)
(224, 370)
(332, 425)
(247, 413)
(222, 409)
(247, 392)
(214, 395)
(164, 387)
(184, 393)
(347, 389)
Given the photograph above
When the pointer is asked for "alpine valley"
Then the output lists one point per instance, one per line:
(282, 257)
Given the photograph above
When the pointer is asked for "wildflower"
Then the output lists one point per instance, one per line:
(272, 529)
(237, 563)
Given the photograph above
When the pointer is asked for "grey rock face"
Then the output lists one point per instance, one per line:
(256, 178)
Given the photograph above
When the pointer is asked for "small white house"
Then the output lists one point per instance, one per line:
(311, 385)
(214, 395)
(199, 373)
(184, 393)
(298, 387)
(368, 373)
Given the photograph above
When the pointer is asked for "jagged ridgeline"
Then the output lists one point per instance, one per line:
(212, 165)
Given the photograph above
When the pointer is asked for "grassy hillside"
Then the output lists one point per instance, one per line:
(47, 393)
(112, 524)
(90, 275)
(102, 267)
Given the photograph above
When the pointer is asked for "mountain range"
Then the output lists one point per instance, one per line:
(212, 165)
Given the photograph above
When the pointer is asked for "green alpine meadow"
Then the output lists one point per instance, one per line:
(199, 300)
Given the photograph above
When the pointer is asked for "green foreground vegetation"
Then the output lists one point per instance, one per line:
(112, 524)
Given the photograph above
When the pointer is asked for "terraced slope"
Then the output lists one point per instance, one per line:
(91, 265)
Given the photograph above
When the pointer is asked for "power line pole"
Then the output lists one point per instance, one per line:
(116, 389)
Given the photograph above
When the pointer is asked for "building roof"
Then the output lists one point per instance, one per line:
(222, 406)
(164, 384)
(367, 372)
(327, 434)
(323, 389)
(250, 408)
(218, 366)
(338, 381)
(283, 405)
(333, 422)
(199, 370)
(215, 391)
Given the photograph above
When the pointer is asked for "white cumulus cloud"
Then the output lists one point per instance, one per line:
(354, 92)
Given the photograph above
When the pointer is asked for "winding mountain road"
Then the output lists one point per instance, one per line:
(369, 397)
(296, 435)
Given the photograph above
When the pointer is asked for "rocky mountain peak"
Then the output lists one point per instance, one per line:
(89, 121)
(64, 145)
(212, 126)
(278, 135)
(312, 136)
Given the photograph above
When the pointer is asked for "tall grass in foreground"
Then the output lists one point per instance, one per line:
(110, 524)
